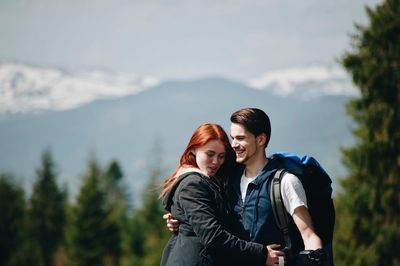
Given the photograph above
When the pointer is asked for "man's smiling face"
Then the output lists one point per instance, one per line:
(243, 143)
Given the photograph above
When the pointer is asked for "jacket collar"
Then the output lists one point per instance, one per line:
(168, 198)
(268, 169)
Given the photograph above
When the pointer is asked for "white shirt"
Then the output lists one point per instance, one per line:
(293, 194)
(244, 183)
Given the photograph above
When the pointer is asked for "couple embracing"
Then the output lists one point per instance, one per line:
(218, 202)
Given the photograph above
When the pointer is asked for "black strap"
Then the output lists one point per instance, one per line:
(279, 210)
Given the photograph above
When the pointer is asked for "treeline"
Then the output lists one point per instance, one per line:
(97, 227)
(367, 225)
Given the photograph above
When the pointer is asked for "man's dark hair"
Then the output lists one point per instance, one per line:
(256, 121)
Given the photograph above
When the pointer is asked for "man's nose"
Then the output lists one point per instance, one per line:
(234, 143)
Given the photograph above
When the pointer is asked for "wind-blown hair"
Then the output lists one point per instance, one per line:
(201, 136)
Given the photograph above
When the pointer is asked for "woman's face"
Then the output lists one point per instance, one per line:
(210, 157)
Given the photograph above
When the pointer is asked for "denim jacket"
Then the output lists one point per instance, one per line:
(255, 213)
(257, 221)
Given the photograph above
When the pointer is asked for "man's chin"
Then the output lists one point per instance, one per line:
(240, 160)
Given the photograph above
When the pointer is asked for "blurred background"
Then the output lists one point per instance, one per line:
(99, 98)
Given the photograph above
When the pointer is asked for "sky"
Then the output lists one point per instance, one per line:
(179, 39)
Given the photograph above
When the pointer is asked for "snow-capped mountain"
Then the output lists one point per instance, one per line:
(308, 82)
(125, 128)
(26, 88)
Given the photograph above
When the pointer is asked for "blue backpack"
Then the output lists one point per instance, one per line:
(318, 188)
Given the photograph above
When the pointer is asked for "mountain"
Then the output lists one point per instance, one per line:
(307, 82)
(25, 88)
(124, 116)
(128, 128)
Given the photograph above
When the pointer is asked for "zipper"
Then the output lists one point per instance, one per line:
(241, 205)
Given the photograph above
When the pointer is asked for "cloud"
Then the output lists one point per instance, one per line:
(26, 88)
(314, 80)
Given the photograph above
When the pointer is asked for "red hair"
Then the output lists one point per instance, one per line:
(201, 136)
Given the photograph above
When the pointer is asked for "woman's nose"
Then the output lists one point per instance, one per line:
(215, 160)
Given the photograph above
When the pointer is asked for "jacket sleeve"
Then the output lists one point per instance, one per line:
(198, 203)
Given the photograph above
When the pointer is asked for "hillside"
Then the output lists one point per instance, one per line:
(128, 128)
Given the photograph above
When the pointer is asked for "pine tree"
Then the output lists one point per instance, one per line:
(46, 213)
(153, 235)
(94, 233)
(368, 227)
(117, 195)
(148, 229)
(157, 234)
(117, 207)
(12, 211)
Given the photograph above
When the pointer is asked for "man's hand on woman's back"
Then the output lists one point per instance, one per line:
(172, 224)
(273, 254)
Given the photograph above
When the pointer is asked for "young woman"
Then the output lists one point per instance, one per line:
(194, 194)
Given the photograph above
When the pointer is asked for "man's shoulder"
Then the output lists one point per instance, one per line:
(290, 181)
(290, 177)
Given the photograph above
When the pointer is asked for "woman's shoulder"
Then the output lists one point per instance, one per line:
(194, 188)
(192, 177)
(195, 182)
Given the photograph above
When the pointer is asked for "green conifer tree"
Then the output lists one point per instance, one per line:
(46, 213)
(117, 201)
(117, 195)
(93, 232)
(150, 233)
(12, 211)
(156, 231)
(368, 224)
(148, 229)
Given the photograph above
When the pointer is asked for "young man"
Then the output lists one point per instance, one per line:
(251, 132)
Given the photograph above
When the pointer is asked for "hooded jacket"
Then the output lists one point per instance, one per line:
(198, 202)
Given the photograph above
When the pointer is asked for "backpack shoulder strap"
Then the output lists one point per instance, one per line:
(278, 208)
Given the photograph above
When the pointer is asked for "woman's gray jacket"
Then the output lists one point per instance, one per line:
(198, 202)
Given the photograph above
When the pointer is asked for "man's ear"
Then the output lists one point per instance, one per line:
(261, 139)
